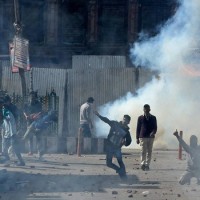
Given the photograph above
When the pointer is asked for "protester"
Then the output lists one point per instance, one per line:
(32, 112)
(86, 112)
(145, 134)
(118, 136)
(9, 135)
(193, 163)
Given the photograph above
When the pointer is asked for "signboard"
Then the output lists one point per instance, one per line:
(19, 54)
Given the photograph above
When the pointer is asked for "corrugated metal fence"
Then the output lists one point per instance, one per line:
(98, 62)
(104, 84)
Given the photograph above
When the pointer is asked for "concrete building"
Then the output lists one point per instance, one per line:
(59, 29)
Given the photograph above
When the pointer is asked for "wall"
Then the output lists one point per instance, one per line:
(74, 86)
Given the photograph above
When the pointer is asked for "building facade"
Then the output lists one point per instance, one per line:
(59, 29)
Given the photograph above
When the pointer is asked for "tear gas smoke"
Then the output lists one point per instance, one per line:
(174, 98)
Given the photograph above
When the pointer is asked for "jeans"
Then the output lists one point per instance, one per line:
(29, 134)
(12, 141)
(86, 132)
(112, 151)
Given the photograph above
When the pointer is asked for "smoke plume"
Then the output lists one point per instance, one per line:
(174, 98)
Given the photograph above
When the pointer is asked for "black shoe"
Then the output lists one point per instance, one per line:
(143, 167)
(122, 174)
(147, 168)
(124, 177)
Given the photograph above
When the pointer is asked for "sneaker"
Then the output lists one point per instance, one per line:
(122, 174)
(143, 167)
(123, 177)
(147, 168)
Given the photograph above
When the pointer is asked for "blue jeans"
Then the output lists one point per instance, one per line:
(112, 151)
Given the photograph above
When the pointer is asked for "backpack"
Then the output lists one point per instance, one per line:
(117, 135)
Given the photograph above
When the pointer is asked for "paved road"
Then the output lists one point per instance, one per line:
(69, 177)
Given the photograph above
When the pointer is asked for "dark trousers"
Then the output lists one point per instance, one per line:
(29, 134)
(40, 146)
(115, 152)
(86, 132)
(14, 143)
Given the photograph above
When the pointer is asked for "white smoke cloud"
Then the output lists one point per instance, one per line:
(174, 98)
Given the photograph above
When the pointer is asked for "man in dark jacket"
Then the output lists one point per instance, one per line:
(32, 112)
(145, 134)
(118, 136)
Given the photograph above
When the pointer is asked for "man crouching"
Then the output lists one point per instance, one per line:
(118, 136)
(193, 163)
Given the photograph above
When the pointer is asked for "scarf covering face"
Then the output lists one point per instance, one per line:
(6, 113)
(9, 125)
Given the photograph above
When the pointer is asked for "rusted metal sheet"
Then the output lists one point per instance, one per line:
(98, 62)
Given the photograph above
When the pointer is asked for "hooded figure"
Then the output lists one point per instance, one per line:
(9, 136)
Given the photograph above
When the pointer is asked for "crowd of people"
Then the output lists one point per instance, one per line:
(118, 136)
(146, 129)
(37, 120)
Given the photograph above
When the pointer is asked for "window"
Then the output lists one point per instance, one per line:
(73, 22)
(32, 17)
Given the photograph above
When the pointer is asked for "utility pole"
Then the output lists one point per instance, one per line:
(18, 32)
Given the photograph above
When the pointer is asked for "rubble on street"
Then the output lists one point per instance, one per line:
(64, 176)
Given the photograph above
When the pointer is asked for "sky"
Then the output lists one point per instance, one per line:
(174, 97)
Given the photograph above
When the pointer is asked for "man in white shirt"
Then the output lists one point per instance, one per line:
(86, 117)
